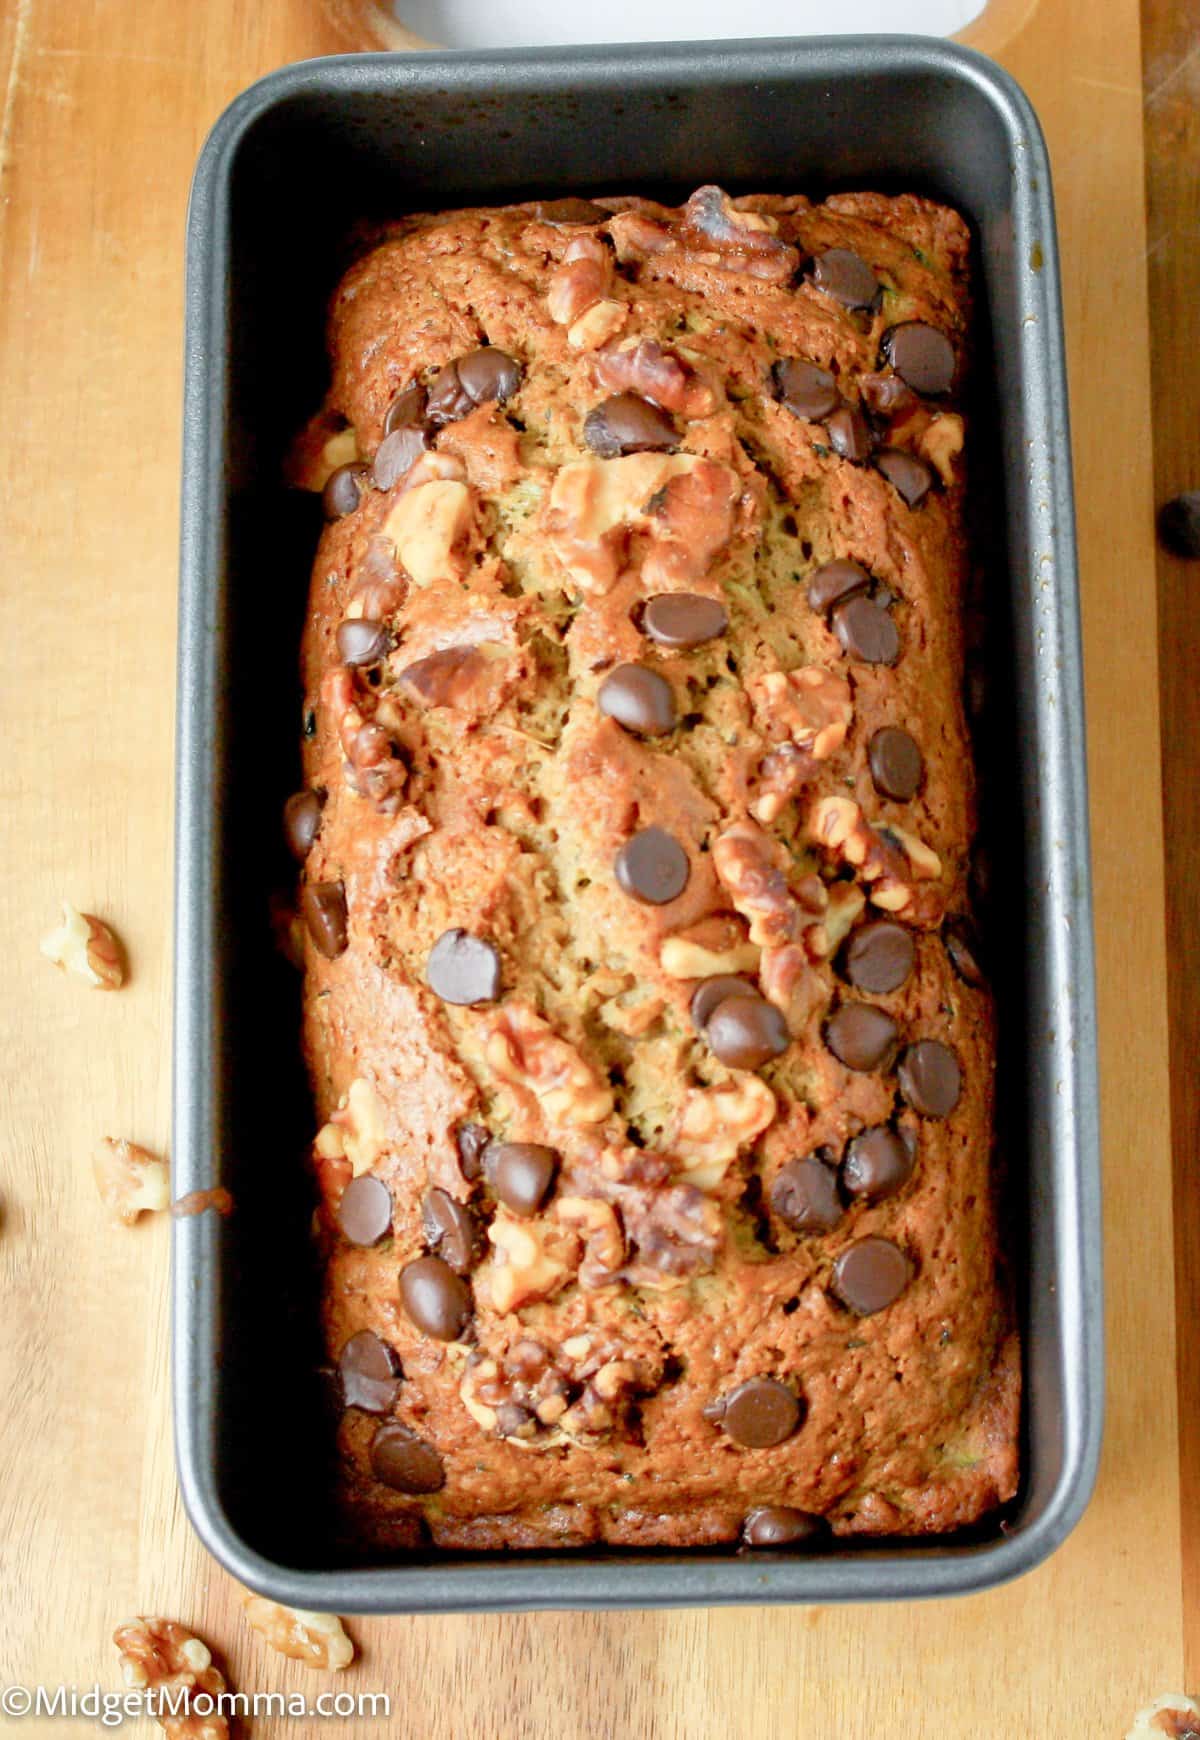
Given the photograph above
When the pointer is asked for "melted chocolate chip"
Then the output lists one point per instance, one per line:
(363, 642)
(639, 699)
(450, 1230)
(877, 1163)
(365, 1210)
(463, 969)
(627, 423)
(922, 356)
(804, 1194)
(906, 473)
(930, 1078)
(521, 1174)
(777, 1525)
(746, 1032)
(834, 582)
(397, 453)
(436, 1300)
(470, 1140)
(878, 956)
(846, 277)
(866, 631)
(870, 1275)
(862, 1037)
(370, 1374)
(850, 434)
(405, 1462)
(808, 391)
(570, 211)
(474, 379)
(897, 765)
(301, 820)
(683, 619)
(760, 1413)
(407, 410)
(962, 946)
(324, 905)
(652, 867)
(344, 489)
(710, 992)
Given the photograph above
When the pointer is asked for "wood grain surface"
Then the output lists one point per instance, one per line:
(1171, 76)
(105, 107)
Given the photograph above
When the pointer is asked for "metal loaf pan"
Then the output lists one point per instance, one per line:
(291, 166)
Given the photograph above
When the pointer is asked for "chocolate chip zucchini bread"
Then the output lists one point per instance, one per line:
(652, 1057)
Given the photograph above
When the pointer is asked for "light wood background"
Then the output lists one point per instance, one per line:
(106, 103)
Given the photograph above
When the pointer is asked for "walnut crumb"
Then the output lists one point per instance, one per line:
(84, 946)
(318, 1639)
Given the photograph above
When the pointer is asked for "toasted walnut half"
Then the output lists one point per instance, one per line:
(716, 1123)
(641, 365)
(315, 1638)
(683, 502)
(811, 706)
(160, 1655)
(525, 1050)
(84, 946)
(533, 1259)
(131, 1181)
(355, 1132)
(753, 868)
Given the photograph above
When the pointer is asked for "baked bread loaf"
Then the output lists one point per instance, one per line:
(652, 1057)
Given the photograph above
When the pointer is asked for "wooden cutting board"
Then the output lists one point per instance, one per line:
(105, 108)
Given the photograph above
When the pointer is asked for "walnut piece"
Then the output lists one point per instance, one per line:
(684, 503)
(161, 1655)
(315, 1638)
(603, 1243)
(583, 279)
(533, 1259)
(600, 324)
(525, 1051)
(131, 1181)
(355, 1132)
(714, 945)
(84, 946)
(430, 526)
(716, 1123)
(941, 443)
(375, 771)
(673, 1232)
(743, 240)
(888, 858)
(641, 365)
(811, 706)
(753, 869)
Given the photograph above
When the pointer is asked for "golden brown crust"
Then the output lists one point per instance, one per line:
(487, 791)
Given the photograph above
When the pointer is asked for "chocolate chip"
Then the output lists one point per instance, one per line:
(870, 1275)
(878, 956)
(683, 619)
(930, 1078)
(897, 765)
(521, 1174)
(471, 380)
(405, 1462)
(370, 1374)
(776, 1525)
(570, 211)
(1179, 525)
(365, 1210)
(905, 472)
(922, 356)
(396, 454)
(627, 423)
(301, 820)
(958, 934)
(652, 867)
(437, 1300)
(807, 391)
(877, 1163)
(760, 1413)
(834, 582)
(866, 631)
(804, 1194)
(463, 969)
(324, 906)
(639, 699)
(862, 1037)
(407, 410)
(710, 992)
(846, 277)
(746, 1032)
(850, 434)
(470, 1140)
(450, 1230)
(363, 642)
(344, 489)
